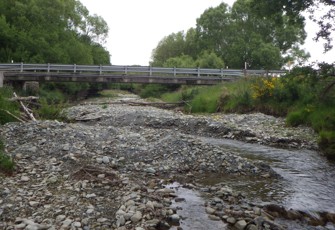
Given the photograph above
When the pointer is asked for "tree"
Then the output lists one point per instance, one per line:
(55, 31)
(275, 9)
(170, 46)
(209, 60)
(237, 35)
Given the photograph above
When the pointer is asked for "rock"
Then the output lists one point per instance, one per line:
(33, 203)
(120, 221)
(213, 217)
(52, 180)
(77, 224)
(175, 218)
(102, 220)
(210, 210)
(150, 170)
(60, 218)
(105, 160)
(136, 217)
(99, 160)
(231, 220)
(67, 223)
(25, 179)
(252, 227)
(240, 225)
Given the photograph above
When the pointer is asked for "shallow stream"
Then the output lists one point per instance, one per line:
(308, 182)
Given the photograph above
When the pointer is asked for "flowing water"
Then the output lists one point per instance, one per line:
(308, 182)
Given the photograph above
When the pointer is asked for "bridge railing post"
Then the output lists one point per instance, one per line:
(74, 68)
(198, 71)
(100, 69)
(150, 71)
(1, 79)
(174, 71)
(125, 70)
(21, 67)
(48, 68)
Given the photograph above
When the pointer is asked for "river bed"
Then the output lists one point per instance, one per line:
(308, 178)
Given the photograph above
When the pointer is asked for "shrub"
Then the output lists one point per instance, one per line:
(327, 143)
(6, 163)
(50, 111)
(7, 106)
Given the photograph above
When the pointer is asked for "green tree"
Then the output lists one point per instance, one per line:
(182, 61)
(55, 31)
(275, 9)
(237, 35)
(209, 60)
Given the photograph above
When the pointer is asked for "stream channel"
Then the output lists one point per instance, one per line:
(307, 183)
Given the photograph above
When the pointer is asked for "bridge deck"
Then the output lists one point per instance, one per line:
(122, 74)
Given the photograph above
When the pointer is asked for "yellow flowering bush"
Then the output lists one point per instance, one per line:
(266, 88)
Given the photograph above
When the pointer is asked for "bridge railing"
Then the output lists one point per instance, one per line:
(132, 70)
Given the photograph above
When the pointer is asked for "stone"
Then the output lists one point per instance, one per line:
(60, 218)
(240, 225)
(102, 220)
(210, 210)
(105, 160)
(136, 217)
(252, 227)
(150, 170)
(213, 217)
(52, 180)
(77, 224)
(25, 179)
(175, 218)
(67, 223)
(231, 220)
(99, 160)
(33, 203)
(120, 221)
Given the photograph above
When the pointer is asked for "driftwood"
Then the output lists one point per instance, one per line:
(25, 109)
(16, 117)
(30, 98)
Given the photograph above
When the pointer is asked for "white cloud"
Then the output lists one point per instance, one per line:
(136, 26)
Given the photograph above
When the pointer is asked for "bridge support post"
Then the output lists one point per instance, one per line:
(1, 79)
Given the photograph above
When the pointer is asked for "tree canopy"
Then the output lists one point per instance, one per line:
(237, 35)
(51, 31)
(274, 9)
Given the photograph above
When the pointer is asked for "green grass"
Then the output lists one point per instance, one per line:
(7, 107)
(6, 164)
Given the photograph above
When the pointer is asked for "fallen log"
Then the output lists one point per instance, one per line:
(30, 98)
(16, 117)
(25, 109)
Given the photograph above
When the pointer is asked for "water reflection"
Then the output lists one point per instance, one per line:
(308, 178)
(192, 211)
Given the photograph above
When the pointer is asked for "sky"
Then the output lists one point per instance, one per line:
(137, 26)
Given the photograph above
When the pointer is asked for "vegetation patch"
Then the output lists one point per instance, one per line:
(7, 166)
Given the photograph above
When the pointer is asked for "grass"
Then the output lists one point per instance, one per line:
(7, 107)
(295, 96)
(6, 164)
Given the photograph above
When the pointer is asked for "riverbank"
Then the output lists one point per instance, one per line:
(110, 167)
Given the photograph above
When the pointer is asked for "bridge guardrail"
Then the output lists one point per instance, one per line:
(128, 70)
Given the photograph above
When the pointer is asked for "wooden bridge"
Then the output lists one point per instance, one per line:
(122, 74)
